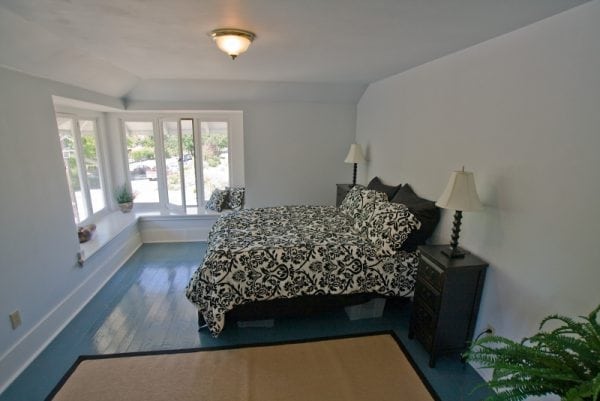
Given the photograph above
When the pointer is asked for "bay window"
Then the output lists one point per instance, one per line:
(81, 157)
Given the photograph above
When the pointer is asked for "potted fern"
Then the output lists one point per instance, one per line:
(124, 198)
(564, 361)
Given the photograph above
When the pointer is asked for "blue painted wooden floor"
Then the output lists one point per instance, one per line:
(143, 308)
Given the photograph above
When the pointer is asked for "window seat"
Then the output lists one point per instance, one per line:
(153, 226)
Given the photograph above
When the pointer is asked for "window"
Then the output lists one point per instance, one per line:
(215, 156)
(81, 156)
(178, 161)
(141, 157)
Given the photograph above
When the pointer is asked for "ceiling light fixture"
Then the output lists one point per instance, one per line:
(233, 41)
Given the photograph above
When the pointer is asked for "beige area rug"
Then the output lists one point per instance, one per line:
(367, 367)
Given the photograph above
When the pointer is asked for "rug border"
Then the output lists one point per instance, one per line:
(391, 333)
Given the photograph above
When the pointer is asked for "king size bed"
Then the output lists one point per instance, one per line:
(288, 253)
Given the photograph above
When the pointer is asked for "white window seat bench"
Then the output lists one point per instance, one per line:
(151, 226)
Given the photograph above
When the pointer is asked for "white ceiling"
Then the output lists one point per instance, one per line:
(152, 49)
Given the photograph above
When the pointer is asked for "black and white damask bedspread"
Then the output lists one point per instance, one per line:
(289, 251)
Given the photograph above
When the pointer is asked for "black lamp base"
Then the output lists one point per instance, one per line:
(454, 253)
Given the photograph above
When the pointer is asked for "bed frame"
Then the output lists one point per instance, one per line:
(302, 306)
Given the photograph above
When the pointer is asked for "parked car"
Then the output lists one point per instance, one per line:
(138, 173)
(151, 173)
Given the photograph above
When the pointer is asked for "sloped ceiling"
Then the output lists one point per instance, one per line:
(159, 49)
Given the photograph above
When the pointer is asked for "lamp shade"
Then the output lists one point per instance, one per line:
(355, 154)
(460, 193)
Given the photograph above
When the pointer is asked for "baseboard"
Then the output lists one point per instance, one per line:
(104, 264)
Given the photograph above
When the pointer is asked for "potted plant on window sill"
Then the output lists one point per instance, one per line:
(564, 361)
(124, 198)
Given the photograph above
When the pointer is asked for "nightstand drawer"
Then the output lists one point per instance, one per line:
(423, 317)
(426, 294)
(430, 273)
(423, 325)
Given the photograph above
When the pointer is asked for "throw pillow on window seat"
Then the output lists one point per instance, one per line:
(235, 200)
(217, 200)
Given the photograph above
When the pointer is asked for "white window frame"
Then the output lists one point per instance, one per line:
(235, 150)
(76, 117)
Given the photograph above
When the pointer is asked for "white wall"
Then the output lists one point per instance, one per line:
(523, 112)
(295, 152)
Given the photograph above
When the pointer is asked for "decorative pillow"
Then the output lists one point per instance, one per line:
(389, 190)
(424, 210)
(352, 203)
(359, 203)
(217, 200)
(389, 225)
(235, 200)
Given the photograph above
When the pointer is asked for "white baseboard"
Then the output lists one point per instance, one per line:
(104, 264)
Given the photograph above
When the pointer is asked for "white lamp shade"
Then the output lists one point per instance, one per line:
(355, 155)
(460, 193)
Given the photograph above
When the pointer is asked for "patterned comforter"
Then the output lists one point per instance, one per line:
(289, 251)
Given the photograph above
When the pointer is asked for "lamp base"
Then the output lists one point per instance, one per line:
(454, 253)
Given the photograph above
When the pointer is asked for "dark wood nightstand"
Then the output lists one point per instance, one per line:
(446, 301)
(342, 190)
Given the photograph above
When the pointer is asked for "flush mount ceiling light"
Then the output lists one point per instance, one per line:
(233, 41)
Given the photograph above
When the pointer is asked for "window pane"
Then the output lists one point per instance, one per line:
(90, 158)
(67, 142)
(189, 162)
(215, 156)
(171, 149)
(142, 161)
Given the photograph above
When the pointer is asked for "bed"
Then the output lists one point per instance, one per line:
(299, 252)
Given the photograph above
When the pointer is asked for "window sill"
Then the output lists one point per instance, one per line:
(107, 228)
(111, 225)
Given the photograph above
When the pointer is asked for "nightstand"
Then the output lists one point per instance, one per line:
(342, 190)
(446, 301)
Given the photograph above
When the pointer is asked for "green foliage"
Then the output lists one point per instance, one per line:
(564, 361)
(141, 154)
(88, 143)
(188, 144)
(123, 194)
(212, 146)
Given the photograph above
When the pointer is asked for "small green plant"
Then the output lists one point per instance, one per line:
(564, 361)
(123, 194)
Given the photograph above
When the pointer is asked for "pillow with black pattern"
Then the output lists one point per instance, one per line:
(351, 204)
(377, 185)
(235, 200)
(217, 200)
(424, 210)
(389, 225)
(359, 203)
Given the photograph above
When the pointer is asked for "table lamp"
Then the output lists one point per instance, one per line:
(460, 195)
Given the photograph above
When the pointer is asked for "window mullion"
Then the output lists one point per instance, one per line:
(199, 164)
(83, 181)
(100, 156)
(180, 164)
(161, 167)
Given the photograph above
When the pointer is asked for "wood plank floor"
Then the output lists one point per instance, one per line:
(143, 308)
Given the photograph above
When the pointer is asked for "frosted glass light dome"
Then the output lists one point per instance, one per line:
(233, 41)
